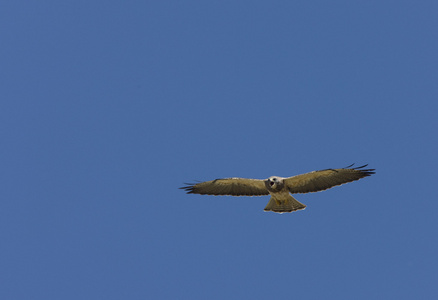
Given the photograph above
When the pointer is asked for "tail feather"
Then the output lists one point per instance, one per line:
(284, 205)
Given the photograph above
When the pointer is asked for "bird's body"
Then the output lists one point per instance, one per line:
(280, 188)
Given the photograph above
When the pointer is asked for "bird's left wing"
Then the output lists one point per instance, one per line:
(321, 180)
(228, 186)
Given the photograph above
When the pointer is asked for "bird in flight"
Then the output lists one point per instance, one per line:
(280, 188)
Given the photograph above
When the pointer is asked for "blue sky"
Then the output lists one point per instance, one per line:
(108, 107)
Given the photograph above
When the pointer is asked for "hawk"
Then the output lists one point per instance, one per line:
(280, 188)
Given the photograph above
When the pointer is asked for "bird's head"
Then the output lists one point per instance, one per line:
(274, 183)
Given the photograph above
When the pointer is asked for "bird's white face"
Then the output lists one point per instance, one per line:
(274, 184)
(273, 181)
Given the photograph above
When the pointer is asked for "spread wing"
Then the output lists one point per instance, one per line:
(325, 179)
(228, 186)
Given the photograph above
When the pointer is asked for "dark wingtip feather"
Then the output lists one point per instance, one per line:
(361, 167)
(365, 172)
(349, 166)
(368, 172)
(189, 188)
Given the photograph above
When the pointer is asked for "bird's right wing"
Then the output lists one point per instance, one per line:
(321, 180)
(229, 186)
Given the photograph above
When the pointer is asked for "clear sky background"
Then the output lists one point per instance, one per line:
(107, 107)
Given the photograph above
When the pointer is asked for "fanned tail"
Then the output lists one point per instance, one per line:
(284, 205)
